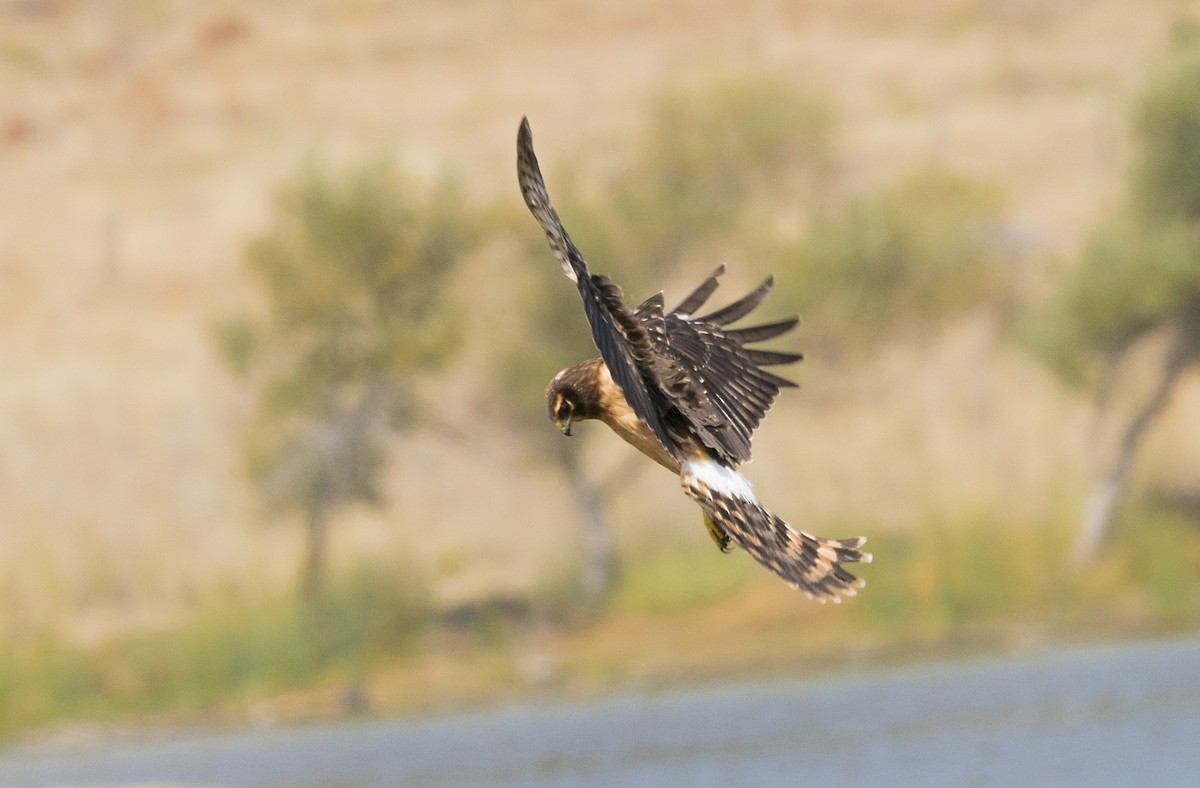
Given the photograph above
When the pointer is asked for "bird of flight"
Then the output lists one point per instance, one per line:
(687, 392)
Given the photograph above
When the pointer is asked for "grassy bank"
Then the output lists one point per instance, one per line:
(377, 642)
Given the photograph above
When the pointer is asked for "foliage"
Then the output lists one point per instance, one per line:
(365, 618)
(1140, 272)
(714, 158)
(1160, 552)
(1132, 280)
(355, 272)
(903, 260)
(1166, 177)
(669, 581)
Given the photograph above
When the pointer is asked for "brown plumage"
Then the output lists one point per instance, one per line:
(689, 393)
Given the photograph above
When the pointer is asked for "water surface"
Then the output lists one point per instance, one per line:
(1116, 715)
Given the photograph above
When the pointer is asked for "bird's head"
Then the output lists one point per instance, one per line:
(562, 410)
(573, 395)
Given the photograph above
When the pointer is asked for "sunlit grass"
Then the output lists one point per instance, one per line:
(362, 620)
(1160, 550)
(946, 575)
(666, 582)
(675, 615)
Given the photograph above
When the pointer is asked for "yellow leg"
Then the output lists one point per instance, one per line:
(718, 534)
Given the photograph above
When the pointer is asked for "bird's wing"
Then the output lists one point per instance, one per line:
(623, 341)
(722, 381)
(810, 563)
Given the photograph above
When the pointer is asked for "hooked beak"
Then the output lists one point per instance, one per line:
(564, 426)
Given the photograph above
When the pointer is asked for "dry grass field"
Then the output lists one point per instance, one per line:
(142, 144)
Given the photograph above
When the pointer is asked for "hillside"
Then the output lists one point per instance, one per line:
(142, 144)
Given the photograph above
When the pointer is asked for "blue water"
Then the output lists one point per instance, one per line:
(1118, 715)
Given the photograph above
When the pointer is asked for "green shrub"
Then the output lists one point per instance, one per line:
(365, 618)
(903, 261)
(676, 580)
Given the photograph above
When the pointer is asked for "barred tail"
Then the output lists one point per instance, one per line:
(810, 563)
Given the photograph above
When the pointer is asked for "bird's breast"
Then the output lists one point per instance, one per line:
(616, 413)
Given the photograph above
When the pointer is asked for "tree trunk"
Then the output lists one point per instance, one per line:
(1106, 490)
(599, 548)
(316, 528)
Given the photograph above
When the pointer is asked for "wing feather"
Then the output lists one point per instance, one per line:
(697, 297)
(730, 373)
(624, 342)
(767, 358)
(533, 189)
(741, 307)
(763, 332)
(687, 378)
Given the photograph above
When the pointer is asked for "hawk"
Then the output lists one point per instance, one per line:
(688, 392)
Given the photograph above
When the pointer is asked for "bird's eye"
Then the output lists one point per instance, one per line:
(565, 408)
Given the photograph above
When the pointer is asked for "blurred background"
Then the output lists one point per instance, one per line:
(275, 328)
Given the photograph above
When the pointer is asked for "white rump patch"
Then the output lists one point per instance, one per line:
(718, 478)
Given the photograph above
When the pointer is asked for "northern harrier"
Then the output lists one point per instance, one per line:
(688, 393)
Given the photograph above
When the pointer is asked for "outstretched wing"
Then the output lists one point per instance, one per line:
(810, 563)
(623, 340)
(724, 378)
